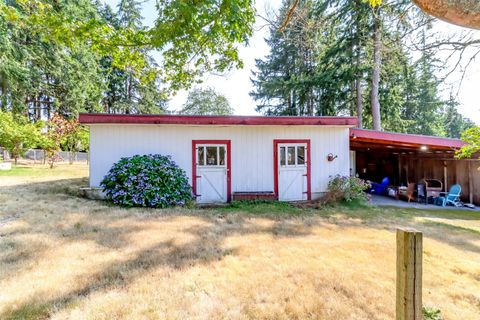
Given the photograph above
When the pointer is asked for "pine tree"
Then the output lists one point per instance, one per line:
(453, 122)
(131, 90)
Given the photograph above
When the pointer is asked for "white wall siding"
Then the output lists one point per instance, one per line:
(252, 150)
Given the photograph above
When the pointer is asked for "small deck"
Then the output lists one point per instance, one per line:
(392, 202)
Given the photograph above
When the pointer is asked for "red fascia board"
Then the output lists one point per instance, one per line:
(394, 138)
(89, 118)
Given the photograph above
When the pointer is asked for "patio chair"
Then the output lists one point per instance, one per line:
(380, 188)
(452, 197)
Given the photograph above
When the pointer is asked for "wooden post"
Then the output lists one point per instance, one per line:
(470, 182)
(445, 176)
(409, 275)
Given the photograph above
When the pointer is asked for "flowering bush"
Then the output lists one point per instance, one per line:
(344, 188)
(147, 181)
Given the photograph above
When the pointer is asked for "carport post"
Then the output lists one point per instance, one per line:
(470, 182)
(409, 275)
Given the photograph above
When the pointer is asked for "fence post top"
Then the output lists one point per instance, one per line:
(408, 230)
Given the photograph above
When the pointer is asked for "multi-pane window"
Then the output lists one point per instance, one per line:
(211, 155)
(292, 156)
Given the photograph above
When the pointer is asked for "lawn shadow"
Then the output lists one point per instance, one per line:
(459, 237)
(98, 223)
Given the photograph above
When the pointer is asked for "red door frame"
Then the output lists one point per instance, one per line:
(229, 163)
(275, 164)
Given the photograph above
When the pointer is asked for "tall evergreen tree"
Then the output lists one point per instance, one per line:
(361, 66)
(39, 77)
(131, 90)
(454, 123)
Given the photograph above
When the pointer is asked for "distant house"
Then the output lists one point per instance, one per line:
(230, 157)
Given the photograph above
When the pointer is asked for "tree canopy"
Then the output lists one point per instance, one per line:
(472, 138)
(206, 102)
(192, 37)
(330, 59)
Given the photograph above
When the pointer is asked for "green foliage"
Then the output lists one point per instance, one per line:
(195, 37)
(472, 138)
(58, 78)
(17, 135)
(76, 60)
(131, 88)
(76, 139)
(192, 37)
(454, 123)
(431, 314)
(287, 81)
(321, 63)
(346, 189)
(147, 181)
(61, 131)
(206, 102)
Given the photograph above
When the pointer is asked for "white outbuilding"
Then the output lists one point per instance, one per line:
(230, 157)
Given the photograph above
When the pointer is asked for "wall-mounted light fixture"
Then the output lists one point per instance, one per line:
(424, 148)
(331, 157)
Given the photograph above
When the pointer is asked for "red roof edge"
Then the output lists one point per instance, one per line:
(403, 138)
(95, 118)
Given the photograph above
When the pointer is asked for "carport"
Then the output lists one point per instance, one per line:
(407, 158)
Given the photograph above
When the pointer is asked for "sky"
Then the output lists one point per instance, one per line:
(236, 84)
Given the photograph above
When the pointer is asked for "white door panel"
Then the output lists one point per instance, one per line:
(292, 171)
(211, 173)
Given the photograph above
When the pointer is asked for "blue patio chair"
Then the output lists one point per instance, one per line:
(380, 188)
(452, 197)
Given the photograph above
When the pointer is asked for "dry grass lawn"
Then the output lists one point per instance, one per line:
(64, 257)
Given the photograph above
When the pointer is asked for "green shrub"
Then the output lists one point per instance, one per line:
(431, 314)
(348, 189)
(147, 181)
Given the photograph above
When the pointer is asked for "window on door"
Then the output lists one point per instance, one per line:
(292, 156)
(211, 156)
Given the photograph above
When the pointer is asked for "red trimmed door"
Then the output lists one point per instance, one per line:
(211, 171)
(292, 170)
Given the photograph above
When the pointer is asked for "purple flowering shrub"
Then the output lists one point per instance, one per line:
(147, 181)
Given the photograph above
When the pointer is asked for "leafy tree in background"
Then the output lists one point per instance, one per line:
(71, 76)
(192, 37)
(76, 139)
(39, 77)
(131, 89)
(17, 135)
(472, 138)
(59, 130)
(206, 102)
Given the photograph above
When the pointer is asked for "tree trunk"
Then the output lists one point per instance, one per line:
(357, 48)
(377, 46)
(358, 90)
(3, 100)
